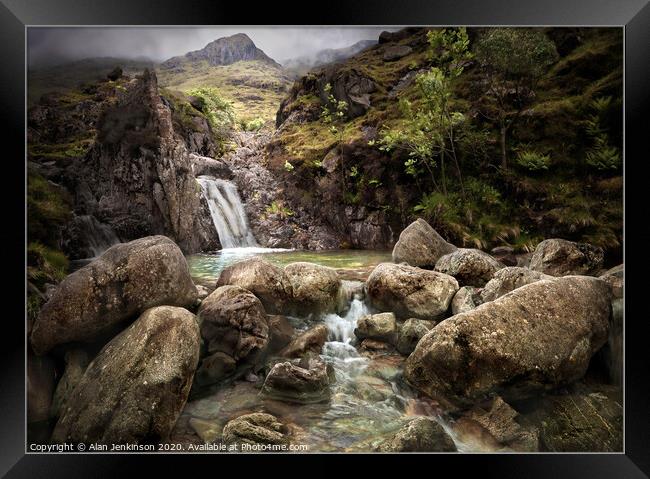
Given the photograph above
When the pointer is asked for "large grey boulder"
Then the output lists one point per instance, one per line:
(380, 327)
(615, 277)
(122, 283)
(508, 279)
(266, 281)
(410, 292)
(465, 299)
(233, 322)
(471, 267)
(302, 381)
(315, 288)
(136, 387)
(421, 434)
(559, 257)
(420, 245)
(537, 337)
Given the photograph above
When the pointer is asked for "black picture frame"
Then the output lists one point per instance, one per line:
(632, 15)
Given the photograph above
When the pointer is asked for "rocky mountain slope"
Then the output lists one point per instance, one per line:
(299, 66)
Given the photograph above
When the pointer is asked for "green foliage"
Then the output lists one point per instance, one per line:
(288, 166)
(520, 53)
(45, 265)
(278, 208)
(48, 209)
(333, 112)
(601, 155)
(532, 160)
(218, 111)
(255, 124)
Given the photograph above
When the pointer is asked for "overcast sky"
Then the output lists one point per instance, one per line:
(56, 45)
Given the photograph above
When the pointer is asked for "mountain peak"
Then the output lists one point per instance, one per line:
(224, 51)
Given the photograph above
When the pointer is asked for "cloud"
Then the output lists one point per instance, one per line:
(51, 45)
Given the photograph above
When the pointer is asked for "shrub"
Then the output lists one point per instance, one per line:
(45, 265)
(218, 111)
(255, 124)
(278, 208)
(533, 161)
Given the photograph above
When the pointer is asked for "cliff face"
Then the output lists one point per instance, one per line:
(136, 176)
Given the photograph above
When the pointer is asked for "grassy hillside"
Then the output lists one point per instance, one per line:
(254, 87)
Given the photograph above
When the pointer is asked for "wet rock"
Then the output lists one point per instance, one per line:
(396, 52)
(136, 387)
(40, 387)
(311, 341)
(374, 345)
(256, 428)
(471, 267)
(269, 283)
(499, 419)
(559, 257)
(466, 299)
(304, 382)
(410, 292)
(420, 245)
(233, 322)
(207, 430)
(582, 421)
(76, 362)
(538, 337)
(215, 368)
(372, 388)
(411, 332)
(614, 277)
(280, 331)
(380, 327)
(508, 279)
(205, 166)
(315, 288)
(122, 283)
(421, 434)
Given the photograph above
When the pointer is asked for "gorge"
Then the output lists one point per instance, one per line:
(326, 253)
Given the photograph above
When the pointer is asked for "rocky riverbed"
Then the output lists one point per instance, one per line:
(435, 349)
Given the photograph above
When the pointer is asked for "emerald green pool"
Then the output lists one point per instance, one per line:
(351, 264)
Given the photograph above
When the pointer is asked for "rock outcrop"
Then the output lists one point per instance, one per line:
(136, 387)
(410, 292)
(559, 257)
(126, 280)
(536, 338)
(420, 245)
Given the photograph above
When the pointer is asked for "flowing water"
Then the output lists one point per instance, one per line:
(227, 213)
(97, 237)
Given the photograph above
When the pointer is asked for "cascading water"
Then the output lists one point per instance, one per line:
(227, 213)
(97, 237)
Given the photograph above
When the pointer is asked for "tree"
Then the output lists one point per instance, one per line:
(514, 59)
(431, 125)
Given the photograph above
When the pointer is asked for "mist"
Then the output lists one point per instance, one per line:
(48, 46)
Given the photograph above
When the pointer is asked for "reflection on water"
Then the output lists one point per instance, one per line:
(353, 264)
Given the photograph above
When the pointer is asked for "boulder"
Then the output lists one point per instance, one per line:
(206, 166)
(269, 283)
(311, 341)
(410, 292)
(465, 299)
(559, 257)
(41, 380)
(280, 331)
(410, 334)
(122, 283)
(380, 327)
(536, 338)
(137, 386)
(420, 245)
(505, 255)
(315, 288)
(499, 420)
(76, 362)
(614, 277)
(421, 434)
(471, 267)
(395, 52)
(257, 428)
(303, 381)
(233, 322)
(508, 279)
(215, 368)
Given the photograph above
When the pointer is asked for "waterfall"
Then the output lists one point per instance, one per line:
(227, 213)
(94, 236)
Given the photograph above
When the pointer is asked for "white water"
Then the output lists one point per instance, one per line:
(98, 236)
(227, 213)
